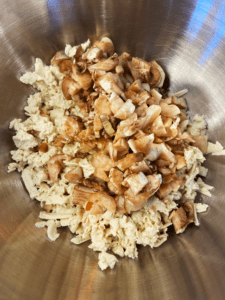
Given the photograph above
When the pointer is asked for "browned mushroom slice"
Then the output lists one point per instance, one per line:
(167, 101)
(141, 167)
(97, 126)
(59, 56)
(75, 175)
(164, 152)
(169, 110)
(141, 110)
(179, 220)
(115, 103)
(84, 79)
(56, 164)
(136, 86)
(153, 184)
(201, 142)
(142, 144)
(158, 127)
(81, 194)
(115, 181)
(72, 126)
(162, 163)
(128, 160)
(106, 45)
(151, 114)
(176, 183)
(164, 190)
(169, 177)
(136, 182)
(97, 209)
(87, 146)
(102, 161)
(134, 71)
(93, 54)
(106, 64)
(189, 208)
(70, 88)
(119, 70)
(183, 116)
(120, 202)
(181, 162)
(125, 111)
(86, 135)
(92, 183)
(135, 203)
(131, 95)
(141, 98)
(104, 200)
(101, 174)
(102, 106)
(107, 125)
(111, 83)
(125, 56)
(157, 75)
(143, 67)
(180, 102)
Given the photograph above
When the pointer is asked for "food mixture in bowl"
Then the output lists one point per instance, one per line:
(108, 152)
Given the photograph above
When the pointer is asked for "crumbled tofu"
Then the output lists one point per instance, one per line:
(215, 149)
(198, 126)
(106, 260)
(204, 188)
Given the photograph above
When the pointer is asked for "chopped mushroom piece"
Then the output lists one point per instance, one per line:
(169, 110)
(115, 181)
(142, 144)
(75, 175)
(201, 142)
(105, 65)
(128, 160)
(81, 194)
(135, 182)
(111, 83)
(125, 111)
(93, 54)
(104, 200)
(107, 125)
(102, 106)
(153, 184)
(70, 88)
(179, 220)
(56, 164)
(141, 166)
(135, 203)
(115, 103)
(106, 45)
(84, 79)
(157, 75)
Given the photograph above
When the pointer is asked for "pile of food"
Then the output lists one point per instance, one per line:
(108, 153)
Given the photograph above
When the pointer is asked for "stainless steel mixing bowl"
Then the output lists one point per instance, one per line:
(187, 38)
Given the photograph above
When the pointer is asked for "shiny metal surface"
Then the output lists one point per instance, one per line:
(187, 38)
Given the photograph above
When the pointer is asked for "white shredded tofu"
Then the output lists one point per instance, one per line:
(198, 126)
(106, 260)
(201, 207)
(215, 149)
